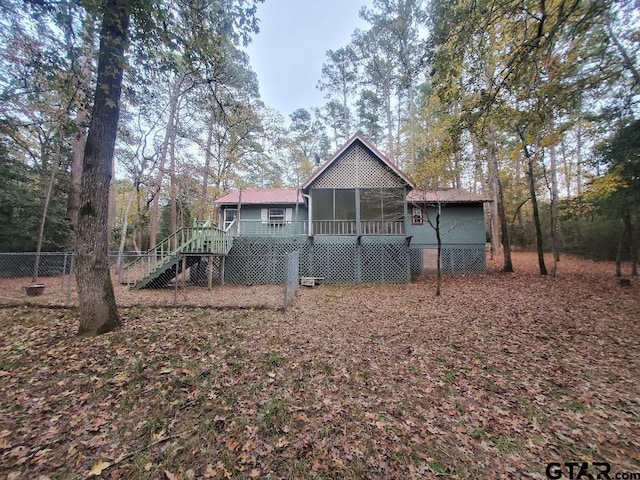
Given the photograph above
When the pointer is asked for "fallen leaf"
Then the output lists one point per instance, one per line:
(98, 468)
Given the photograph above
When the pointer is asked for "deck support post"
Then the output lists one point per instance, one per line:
(222, 260)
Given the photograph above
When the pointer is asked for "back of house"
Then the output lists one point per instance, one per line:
(358, 218)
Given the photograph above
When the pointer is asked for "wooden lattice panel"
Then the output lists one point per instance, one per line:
(464, 260)
(334, 259)
(415, 260)
(358, 167)
(384, 260)
(259, 260)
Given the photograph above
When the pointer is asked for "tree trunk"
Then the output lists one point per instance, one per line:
(555, 216)
(619, 254)
(173, 102)
(534, 204)
(45, 208)
(123, 232)
(79, 139)
(628, 226)
(173, 187)
(579, 161)
(97, 305)
(205, 173)
(111, 209)
(389, 115)
(439, 266)
(504, 225)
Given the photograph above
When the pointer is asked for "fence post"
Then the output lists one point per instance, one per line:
(64, 269)
(175, 291)
(69, 280)
(291, 279)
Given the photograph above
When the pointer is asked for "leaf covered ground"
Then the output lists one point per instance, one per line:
(494, 379)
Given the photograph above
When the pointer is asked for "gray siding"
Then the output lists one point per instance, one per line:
(251, 222)
(459, 225)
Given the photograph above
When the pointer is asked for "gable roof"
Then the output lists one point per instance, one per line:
(444, 195)
(358, 137)
(255, 196)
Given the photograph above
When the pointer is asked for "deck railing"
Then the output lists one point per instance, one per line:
(350, 227)
(319, 227)
(272, 229)
(382, 227)
(334, 227)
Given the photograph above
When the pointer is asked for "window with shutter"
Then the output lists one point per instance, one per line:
(276, 215)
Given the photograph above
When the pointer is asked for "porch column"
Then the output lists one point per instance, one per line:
(358, 228)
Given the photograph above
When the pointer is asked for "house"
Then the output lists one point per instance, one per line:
(357, 218)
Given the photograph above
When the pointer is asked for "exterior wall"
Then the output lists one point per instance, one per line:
(463, 241)
(251, 222)
(460, 224)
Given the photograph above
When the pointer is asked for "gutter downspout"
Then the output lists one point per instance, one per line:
(238, 213)
(295, 216)
(310, 226)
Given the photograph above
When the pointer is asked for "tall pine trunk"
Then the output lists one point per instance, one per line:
(507, 265)
(169, 136)
(534, 204)
(98, 310)
(555, 214)
(628, 226)
(204, 191)
(55, 164)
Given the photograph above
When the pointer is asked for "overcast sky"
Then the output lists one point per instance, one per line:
(288, 53)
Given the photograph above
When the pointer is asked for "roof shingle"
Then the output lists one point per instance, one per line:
(263, 196)
(445, 195)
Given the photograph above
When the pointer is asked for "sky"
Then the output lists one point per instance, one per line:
(288, 53)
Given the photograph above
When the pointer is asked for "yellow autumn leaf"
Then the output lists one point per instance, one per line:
(98, 468)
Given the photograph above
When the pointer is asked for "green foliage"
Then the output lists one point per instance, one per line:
(621, 154)
(21, 199)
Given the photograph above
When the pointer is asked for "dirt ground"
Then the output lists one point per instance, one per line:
(496, 378)
(61, 291)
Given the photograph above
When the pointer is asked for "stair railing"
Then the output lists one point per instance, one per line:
(202, 238)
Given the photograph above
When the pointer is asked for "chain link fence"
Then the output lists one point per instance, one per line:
(48, 279)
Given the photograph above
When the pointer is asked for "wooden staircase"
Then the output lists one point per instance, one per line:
(179, 251)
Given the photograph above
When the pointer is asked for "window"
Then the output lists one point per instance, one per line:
(345, 204)
(382, 204)
(416, 216)
(322, 203)
(276, 215)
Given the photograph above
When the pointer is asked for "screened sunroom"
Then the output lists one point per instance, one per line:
(357, 211)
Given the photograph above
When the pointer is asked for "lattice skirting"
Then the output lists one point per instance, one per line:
(263, 260)
(260, 260)
(456, 259)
